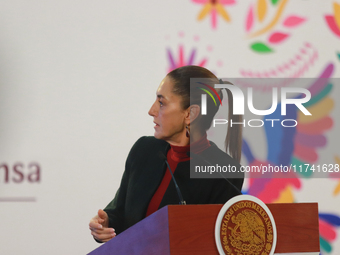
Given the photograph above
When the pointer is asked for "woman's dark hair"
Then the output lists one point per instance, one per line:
(191, 95)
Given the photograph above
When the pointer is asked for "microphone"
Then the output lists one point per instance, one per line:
(198, 157)
(162, 156)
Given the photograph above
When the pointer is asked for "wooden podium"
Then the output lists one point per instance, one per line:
(189, 229)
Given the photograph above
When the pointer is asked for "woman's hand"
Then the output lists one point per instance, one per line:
(99, 226)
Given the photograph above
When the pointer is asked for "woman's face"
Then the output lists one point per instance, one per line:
(170, 119)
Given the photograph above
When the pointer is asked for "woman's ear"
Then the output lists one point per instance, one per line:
(193, 112)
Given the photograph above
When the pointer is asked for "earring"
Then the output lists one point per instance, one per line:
(187, 132)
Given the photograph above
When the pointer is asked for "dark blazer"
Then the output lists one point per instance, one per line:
(144, 171)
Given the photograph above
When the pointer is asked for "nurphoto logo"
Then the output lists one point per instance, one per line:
(238, 99)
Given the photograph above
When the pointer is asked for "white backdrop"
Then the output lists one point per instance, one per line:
(77, 79)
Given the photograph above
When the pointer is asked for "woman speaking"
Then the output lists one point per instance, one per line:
(180, 129)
